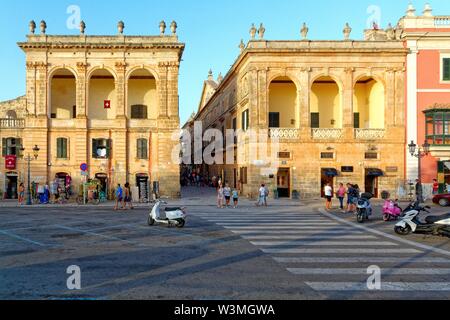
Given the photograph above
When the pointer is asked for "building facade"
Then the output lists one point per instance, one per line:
(335, 109)
(110, 102)
(428, 93)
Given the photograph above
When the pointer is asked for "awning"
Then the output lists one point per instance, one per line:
(374, 173)
(330, 172)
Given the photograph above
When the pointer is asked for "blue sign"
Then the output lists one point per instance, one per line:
(84, 167)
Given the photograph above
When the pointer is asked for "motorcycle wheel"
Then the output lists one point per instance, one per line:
(181, 223)
(403, 231)
(360, 217)
(386, 217)
(150, 221)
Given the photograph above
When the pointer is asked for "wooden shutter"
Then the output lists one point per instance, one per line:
(315, 120)
(274, 120)
(4, 147)
(108, 148)
(446, 67)
(356, 120)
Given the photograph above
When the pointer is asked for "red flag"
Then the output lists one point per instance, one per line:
(107, 104)
(10, 162)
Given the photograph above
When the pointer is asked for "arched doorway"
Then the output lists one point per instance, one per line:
(283, 103)
(142, 97)
(102, 102)
(369, 104)
(63, 93)
(325, 104)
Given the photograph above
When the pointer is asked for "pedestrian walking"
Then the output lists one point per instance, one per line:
(341, 195)
(128, 197)
(352, 197)
(435, 187)
(119, 197)
(21, 194)
(328, 196)
(235, 198)
(262, 196)
(220, 197)
(227, 194)
(266, 195)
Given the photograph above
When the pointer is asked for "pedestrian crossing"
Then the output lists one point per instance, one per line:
(330, 256)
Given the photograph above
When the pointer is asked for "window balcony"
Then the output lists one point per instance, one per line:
(370, 134)
(284, 133)
(12, 123)
(327, 134)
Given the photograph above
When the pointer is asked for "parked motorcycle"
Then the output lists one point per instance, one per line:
(364, 207)
(391, 210)
(169, 216)
(410, 223)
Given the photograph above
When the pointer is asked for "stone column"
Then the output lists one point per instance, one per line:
(120, 90)
(347, 99)
(172, 90)
(253, 98)
(390, 110)
(162, 90)
(303, 98)
(81, 90)
(41, 89)
(31, 88)
(399, 97)
(263, 99)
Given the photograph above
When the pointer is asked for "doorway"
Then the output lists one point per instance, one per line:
(235, 177)
(284, 182)
(11, 186)
(371, 181)
(142, 184)
(327, 176)
(103, 178)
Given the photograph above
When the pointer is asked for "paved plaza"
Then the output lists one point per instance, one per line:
(290, 250)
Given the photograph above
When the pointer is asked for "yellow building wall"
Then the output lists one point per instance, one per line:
(143, 91)
(326, 100)
(369, 101)
(99, 91)
(63, 98)
(282, 99)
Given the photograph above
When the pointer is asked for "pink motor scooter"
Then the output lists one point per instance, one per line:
(391, 210)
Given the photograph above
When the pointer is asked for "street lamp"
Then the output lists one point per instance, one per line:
(419, 153)
(29, 158)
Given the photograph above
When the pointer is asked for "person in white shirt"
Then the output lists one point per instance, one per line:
(262, 196)
(329, 196)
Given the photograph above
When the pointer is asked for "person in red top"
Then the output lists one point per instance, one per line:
(435, 187)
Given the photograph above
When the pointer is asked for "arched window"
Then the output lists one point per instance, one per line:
(142, 149)
(368, 104)
(325, 104)
(282, 103)
(11, 115)
(61, 148)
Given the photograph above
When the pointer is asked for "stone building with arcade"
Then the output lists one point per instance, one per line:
(336, 109)
(110, 102)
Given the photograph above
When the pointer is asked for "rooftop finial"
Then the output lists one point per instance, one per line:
(411, 11)
(210, 75)
(120, 26)
(32, 26)
(43, 27)
(304, 31)
(347, 31)
(82, 27)
(219, 78)
(428, 11)
(173, 27)
(253, 31)
(162, 27)
(261, 31)
(242, 45)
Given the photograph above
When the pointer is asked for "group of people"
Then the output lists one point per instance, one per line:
(225, 195)
(123, 197)
(351, 191)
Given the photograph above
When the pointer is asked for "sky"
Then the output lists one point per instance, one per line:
(211, 30)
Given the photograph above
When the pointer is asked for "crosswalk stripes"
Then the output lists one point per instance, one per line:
(329, 255)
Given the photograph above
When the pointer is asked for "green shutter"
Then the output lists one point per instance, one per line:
(446, 71)
(64, 148)
(315, 120)
(3, 147)
(108, 148)
(356, 120)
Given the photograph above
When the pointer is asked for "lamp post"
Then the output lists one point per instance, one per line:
(419, 153)
(29, 158)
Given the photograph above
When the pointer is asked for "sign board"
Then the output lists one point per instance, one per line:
(10, 162)
(107, 104)
(347, 169)
(391, 169)
(84, 173)
(84, 167)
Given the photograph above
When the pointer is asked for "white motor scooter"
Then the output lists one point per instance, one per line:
(410, 223)
(170, 216)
